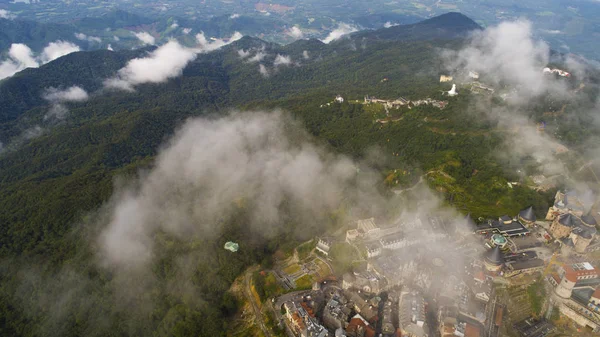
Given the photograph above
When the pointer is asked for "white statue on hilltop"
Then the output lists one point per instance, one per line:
(452, 91)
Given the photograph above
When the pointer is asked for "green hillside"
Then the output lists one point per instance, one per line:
(52, 185)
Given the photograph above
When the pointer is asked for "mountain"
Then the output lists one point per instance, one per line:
(445, 26)
(24, 90)
(54, 180)
(114, 19)
(34, 34)
(374, 21)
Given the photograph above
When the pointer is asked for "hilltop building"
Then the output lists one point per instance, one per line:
(336, 312)
(571, 277)
(505, 226)
(567, 202)
(474, 75)
(364, 280)
(444, 78)
(368, 228)
(412, 314)
(494, 260)
(577, 287)
(527, 216)
(359, 327)
(302, 323)
(324, 245)
(498, 240)
(573, 231)
(556, 71)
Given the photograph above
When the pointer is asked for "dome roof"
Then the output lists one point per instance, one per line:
(528, 214)
(494, 256)
(567, 220)
(588, 219)
(498, 239)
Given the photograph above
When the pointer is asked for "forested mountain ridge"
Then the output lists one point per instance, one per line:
(52, 183)
(446, 26)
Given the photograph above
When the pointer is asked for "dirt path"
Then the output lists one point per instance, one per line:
(255, 308)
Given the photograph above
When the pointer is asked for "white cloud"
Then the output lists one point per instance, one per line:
(145, 37)
(110, 47)
(282, 60)
(116, 38)
(234, 16)
(248, 156)
(71, 94)
(343, 29)
(32, 132)
(295, 32)
(510, 59)
(305, 55)
(243, 53)
(389, 24)
(509, 54)
(4, 14)
(259, 56)
(57, 49)
(21, 53)
(20, 57)
(83, 37)
(186, 31)
(166, 62)
(174, 25)
(552, 32)
(263, 70)
(57, 97)
(205, 45)
(58, 111)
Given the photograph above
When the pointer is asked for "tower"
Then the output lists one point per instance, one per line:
(566, 285)
(494, 260)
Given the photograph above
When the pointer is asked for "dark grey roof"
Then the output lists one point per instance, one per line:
(505, 218)
(567, 241)
(589, 220)
(527, 264)
(528, 214)
(567, 220)
(495, 256)
(511, 229)
(585, 231)
(393, 238)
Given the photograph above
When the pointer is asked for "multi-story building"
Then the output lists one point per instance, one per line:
(412, 317)
(574, 231)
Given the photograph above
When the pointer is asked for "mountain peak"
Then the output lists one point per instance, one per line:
(451, 25)
(453, 20)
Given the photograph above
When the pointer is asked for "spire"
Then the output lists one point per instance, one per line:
(528, 214)
(494, 256)
(588, 219)
(567, 220)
